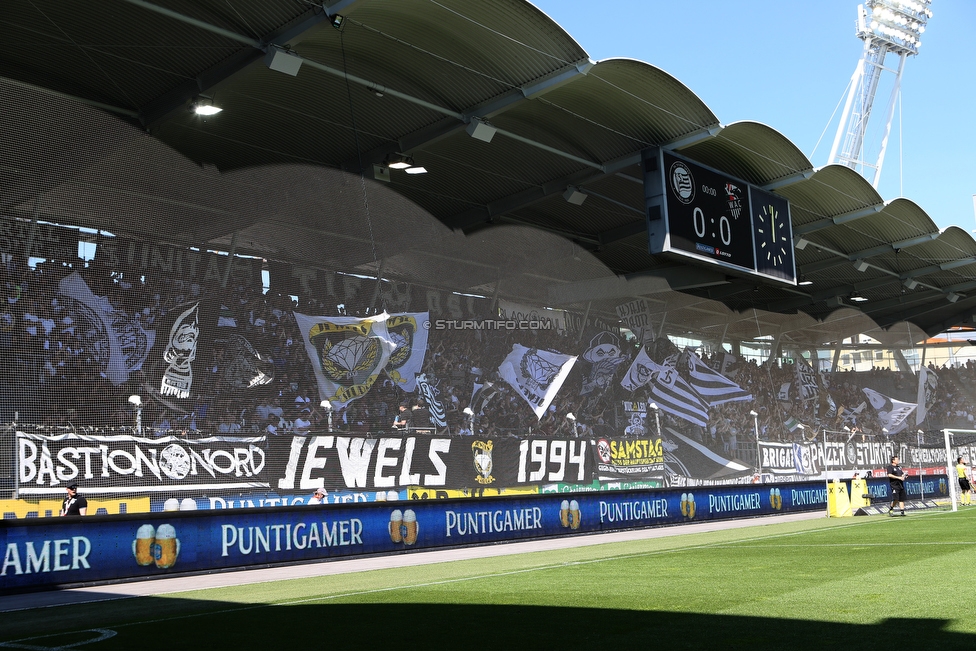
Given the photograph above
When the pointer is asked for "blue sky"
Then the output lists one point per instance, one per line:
(787, 64)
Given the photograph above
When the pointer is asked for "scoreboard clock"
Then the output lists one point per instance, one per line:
(697, 212)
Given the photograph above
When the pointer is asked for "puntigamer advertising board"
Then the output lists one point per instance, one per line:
(44, 552)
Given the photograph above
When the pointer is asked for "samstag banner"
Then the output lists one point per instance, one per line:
(632, 458)
(123, 463)
(348, 354)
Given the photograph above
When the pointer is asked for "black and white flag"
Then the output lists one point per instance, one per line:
(641, 371)
(806, 380)
(928, 383)
(676, 396)
(713, 387)
(892, 413)
(430, 392)
(536, 375)
(116, 341)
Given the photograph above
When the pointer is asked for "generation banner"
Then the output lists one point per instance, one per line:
(122, 463)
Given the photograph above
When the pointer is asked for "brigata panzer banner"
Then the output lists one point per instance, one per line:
(123, 463)
(43, 552)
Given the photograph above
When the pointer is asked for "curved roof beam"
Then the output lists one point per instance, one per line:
(812, 227)
(483, 111)
(863, 254)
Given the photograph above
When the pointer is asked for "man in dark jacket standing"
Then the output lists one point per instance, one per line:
(74, 504)
(896, 477)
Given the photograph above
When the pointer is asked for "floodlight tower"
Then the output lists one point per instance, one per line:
(886, 27)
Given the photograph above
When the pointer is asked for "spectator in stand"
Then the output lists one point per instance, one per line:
(74, 504)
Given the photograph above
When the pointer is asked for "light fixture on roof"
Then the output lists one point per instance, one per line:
(281, 60)
(403, 162)
(801, 243)
(399, 161)
(910, 283)
(857, 298)
(861, 266)
(952, 297)
(205, 106)
(804, 282)
(337, 21)
(480, 130)
(574, 195)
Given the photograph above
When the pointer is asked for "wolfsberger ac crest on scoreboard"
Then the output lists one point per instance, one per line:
(696, 212)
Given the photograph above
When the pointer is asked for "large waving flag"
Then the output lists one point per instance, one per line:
(928, 382)
(536, 375)
(676, 396)
(347, 353)
(408, 333)
(806, 380)
(641, 371)
(713, 387)
(116, 341)
(892, 413)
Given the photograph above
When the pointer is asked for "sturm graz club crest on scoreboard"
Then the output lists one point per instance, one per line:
(703, 214)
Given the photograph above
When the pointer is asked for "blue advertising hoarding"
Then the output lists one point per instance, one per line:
(47, 552)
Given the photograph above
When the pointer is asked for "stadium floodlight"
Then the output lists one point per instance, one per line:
(205, 107)
(135, 400)
(399, 161)
(885, 26)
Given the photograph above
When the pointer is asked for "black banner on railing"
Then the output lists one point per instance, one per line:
(122, 463)
(343, 462)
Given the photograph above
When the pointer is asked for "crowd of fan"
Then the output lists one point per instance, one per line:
(54, 376)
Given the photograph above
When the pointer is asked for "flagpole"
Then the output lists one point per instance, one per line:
(952, 490)
(755, 420)
(657, 417)
(826, 479)
(921, 482)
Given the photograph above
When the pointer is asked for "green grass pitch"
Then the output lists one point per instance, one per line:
(866, 583)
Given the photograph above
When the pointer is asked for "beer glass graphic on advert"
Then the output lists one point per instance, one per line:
(142, 545)
(396, 521)
(564, 513)
(410, 528)
(574, 515)
(166, 549)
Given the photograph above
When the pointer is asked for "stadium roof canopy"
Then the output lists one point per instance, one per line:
(277, 172)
